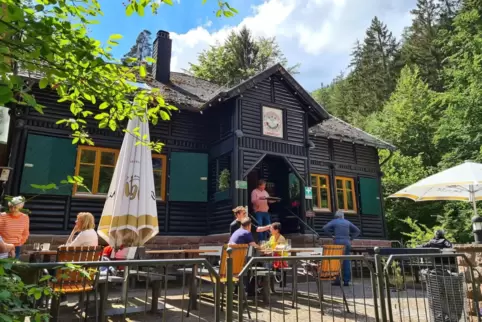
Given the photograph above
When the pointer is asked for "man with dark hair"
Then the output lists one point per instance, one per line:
(260, 205)
(438, 241)
(239, 215)
(243, 235)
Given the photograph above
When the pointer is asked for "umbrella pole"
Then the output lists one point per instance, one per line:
(124, 284)
(474, 204)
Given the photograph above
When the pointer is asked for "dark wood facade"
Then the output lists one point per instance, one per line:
(228, 130)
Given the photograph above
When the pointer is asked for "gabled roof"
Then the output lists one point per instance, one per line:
(337, 129)
(261, 76)
(187, 92)
(191, 93)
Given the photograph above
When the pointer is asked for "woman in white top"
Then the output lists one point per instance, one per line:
(84, 225)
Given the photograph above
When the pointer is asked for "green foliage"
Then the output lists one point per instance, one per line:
(396, 278)
(50, 38)
(374, 71)
(241, 57)
(224, 180)
(20, 287)
(409, 119)
(17, 298)
(399, 172)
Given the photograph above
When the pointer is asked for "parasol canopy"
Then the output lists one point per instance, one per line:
(462, 183)
(129, 217)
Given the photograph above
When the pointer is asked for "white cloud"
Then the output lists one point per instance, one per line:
(319, 34)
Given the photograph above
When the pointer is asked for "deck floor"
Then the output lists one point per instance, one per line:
(410, 305)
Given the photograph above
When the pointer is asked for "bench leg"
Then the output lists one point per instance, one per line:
(103, 300)
(266, 288)
(156, 291)
(54, 309)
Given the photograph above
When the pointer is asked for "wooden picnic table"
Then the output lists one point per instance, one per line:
(187, 253)
(294, 267)
(41, 255)
(292, 251)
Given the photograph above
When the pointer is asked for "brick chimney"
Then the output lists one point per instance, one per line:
(161, 52)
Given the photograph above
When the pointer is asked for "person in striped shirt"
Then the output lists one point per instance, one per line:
(15, 225)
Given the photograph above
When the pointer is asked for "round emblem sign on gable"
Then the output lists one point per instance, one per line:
(272, 120)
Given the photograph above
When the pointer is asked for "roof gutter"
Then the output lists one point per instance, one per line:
(219, 97)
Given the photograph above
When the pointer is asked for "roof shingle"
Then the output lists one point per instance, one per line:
(335, 128)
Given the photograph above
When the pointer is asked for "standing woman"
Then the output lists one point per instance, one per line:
(15, 225)
(84, 225)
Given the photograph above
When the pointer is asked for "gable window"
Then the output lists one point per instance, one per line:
(96, 165)
(345, 194)
(320, 184)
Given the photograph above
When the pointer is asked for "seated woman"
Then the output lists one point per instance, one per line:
(84, 225)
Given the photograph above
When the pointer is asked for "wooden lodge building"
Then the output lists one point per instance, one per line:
(266, 127)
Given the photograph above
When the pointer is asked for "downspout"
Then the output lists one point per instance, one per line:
(388, 158)
(390, 155)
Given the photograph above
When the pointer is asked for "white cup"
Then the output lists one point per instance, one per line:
(46, 246)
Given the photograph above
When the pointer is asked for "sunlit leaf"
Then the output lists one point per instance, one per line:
(43, 83)
(142, 71)
(116, 36)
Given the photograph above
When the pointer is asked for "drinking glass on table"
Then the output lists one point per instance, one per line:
(36, 247)
(288, 244)
(263, 244)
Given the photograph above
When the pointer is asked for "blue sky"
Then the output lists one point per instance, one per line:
(319, 34)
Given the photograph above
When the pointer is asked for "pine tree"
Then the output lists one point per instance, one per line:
(241, 57)
(375, 70)
(141, 49)
(424, 40)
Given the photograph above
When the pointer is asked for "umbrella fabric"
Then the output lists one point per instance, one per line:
(462, 182)
(129, 217)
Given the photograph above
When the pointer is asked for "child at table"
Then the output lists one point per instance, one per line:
(275, 240)
(276, 237)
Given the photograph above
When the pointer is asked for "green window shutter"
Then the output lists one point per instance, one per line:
(370, 197)
(188, 177)
(48, 160)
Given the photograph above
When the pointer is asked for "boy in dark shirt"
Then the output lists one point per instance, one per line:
(240, 214)
(243, 235)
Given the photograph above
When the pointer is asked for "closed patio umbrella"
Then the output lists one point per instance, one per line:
(462, 182)
(129, 217)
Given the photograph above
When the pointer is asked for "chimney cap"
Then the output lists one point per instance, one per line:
(163, 34)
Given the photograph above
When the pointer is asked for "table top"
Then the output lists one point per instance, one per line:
(181, 251)
(292, 250)
(42, 252)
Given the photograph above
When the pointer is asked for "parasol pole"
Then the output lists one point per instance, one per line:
(472, 196)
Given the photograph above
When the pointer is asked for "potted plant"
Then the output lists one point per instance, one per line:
(224, 185)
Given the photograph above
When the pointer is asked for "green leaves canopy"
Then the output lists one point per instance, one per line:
(50, 38)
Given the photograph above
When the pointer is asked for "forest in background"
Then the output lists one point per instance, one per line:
(422, 93)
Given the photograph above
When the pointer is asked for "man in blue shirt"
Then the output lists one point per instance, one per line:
(343, 232)
(243, 234)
